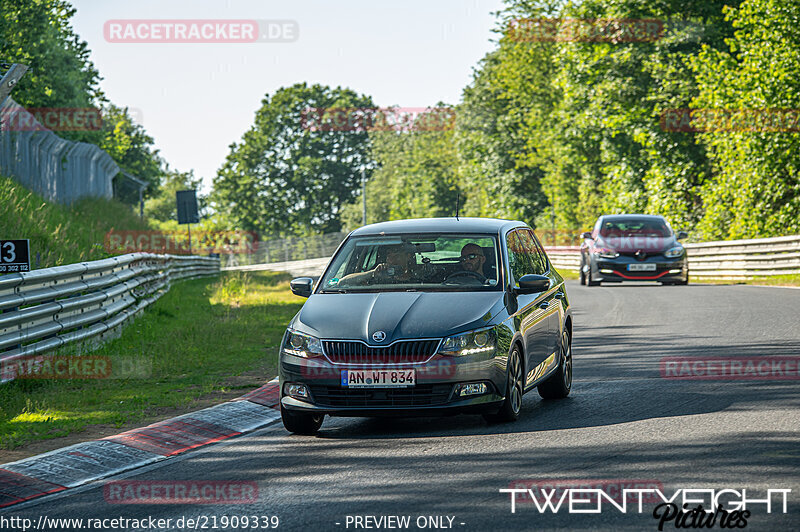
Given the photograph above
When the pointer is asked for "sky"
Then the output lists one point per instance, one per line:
(196, 99)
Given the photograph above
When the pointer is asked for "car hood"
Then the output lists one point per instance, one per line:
(397, 314)
(633, 243)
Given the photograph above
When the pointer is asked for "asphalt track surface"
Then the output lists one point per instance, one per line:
(623, 420)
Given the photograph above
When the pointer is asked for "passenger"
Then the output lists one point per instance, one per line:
(398, 268)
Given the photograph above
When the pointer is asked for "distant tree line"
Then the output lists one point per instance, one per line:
(582, 108)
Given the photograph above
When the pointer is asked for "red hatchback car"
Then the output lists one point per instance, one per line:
(633, 247)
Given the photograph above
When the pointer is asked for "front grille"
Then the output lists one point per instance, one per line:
(420, 395)
(356, 352)
(647, 254)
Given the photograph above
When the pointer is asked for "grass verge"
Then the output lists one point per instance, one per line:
(764, 280)
(206, 339)
(61, 234)
(568, 274)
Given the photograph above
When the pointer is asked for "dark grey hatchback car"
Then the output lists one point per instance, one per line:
(427, 317)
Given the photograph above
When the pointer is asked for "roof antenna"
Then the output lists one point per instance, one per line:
(458, 196)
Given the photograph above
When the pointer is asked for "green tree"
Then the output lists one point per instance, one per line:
(131, 147)
(500, 167)
(61, 75)
(39, 34)
(604, 149)
(288, 176)
(755, 191)
(416, 174)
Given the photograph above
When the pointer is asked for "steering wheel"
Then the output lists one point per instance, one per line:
(464, 273)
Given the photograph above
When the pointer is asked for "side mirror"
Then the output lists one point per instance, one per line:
(587, 234)
(532, 283)
(302, 286)
(681, 235)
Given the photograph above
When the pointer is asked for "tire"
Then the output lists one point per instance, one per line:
(589, 281)
(583, 275)
(509, 411)
(300, 423)
(559, 384)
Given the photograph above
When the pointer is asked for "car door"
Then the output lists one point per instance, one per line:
(550, 303)
(555, 297)
(531, 315)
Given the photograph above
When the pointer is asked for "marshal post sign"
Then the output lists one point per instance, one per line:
(15, 256)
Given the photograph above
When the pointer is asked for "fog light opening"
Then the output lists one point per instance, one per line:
(476, 388)
(298, 391)
(675, 271)
(607, 271)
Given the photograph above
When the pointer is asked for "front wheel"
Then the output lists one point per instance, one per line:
(589, 281)
(301, 423)
(559, 384)
(516, 382)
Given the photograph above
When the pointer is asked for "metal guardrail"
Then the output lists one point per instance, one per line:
(565, 257)
(737, 259)
(47, 309)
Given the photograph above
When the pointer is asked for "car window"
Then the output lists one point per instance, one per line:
(536, 256)
(518, 258)
(460, 262)
(635, 227)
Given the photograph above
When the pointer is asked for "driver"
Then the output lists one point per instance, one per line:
(472, 260)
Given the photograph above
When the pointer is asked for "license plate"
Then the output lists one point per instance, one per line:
(645, 267)
(378, 378)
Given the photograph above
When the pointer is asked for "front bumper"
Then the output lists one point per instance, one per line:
(616, 270)
(434, 393)
(479, 405)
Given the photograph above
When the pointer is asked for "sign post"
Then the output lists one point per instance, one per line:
(15, 256)
(187, 210)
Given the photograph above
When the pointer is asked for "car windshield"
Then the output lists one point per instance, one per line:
(426, 262)
(635, 227)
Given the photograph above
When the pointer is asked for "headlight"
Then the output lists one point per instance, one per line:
(673, 253)
(301, 345)
(606, 253)
(470, 343)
